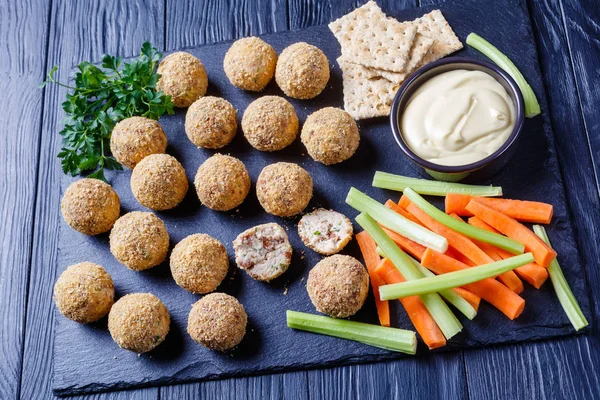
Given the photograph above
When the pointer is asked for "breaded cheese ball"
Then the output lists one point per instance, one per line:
(159, 182)
(270, 123)
(284, 189)
(222, 182)
(199, 263)
(338, 286)
(139, 322)
(183, 77)
(134, 138)
(330, 135)
(250, 64)
(263, 251)
(217, 321)
(84, 292)
(211, 122)
(325, 231)
(139, 240)
(302, 71)
(90, 206)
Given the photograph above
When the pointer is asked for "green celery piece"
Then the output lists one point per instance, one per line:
(532, 107)
(471, 231)
(398, 183)
(561, 287)
(394, 339)
(396, 222)
(453, 279)
(451, 296)
(440, 312)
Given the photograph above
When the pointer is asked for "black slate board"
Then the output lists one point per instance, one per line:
(87, 360)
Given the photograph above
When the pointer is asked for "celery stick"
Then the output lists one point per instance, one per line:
(443, 316)
(452, 279)
(393, 339)
(396, 222)
(462, 227)
(561, 287)
(532, 107)
(450, 295)
(398, 183)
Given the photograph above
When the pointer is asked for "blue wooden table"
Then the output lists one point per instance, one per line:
(37, 34)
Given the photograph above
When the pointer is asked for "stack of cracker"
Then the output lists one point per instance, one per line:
(379, 53)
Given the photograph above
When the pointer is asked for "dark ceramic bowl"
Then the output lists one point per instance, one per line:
(479, 170)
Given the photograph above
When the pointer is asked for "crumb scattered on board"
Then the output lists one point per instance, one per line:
(379, 53)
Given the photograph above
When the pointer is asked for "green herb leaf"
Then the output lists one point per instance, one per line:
(101, 97)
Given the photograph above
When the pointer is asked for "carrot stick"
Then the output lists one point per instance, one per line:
(368, 248)
(492, 291)
(404, 202)
(416, 310)
(525, 211)
(510, 279)
(542, 253)
(393, 206)
(531, 273)
(471, 297)
(413, 248)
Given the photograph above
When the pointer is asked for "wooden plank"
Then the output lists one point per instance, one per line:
(565, 368)
(22, 45)
(78, 31)
(408, 378)
(189, 24)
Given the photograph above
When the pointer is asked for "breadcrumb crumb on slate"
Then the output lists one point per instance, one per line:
(139, 322)
(183, 77)
(284, 189)
(330, 135)
(159, 182)
(263, 251)
(250, 64)
(325, 231)
(222, 182)
(139, 240)
(211, 122)
(338, 286)
(217, 321)
(302, 71)
(84, 292)
(134, 138)
(270, 123)
(90, 206)
(199, 263)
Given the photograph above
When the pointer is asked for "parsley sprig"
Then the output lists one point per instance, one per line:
(101, 97)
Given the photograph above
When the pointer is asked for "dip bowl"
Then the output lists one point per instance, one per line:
(477, 171)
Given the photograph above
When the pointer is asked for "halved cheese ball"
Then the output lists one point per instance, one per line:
(263, 251)
(325, 231)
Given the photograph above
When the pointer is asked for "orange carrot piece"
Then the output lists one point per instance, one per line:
(413, 248)
(404, 202)
(490, 290)
(526, 211)
(416, 310)
(531, 273)
(368, 248)
(393, 206)
(509, 278)
(471, 297)
(542, 253)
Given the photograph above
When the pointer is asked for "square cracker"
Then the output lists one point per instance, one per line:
(368, 36)
(435, 26)
(363, 97)
(418, 51)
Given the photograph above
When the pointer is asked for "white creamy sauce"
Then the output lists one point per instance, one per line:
(458, 118)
